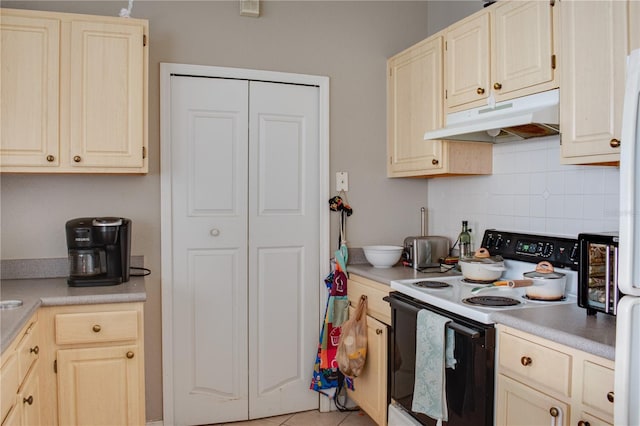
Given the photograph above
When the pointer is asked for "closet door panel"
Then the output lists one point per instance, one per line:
(209, 232)
(283, 247)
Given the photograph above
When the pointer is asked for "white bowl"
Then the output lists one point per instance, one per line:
(382, 256)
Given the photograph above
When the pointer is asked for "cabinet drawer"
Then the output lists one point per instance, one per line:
(28, 350)
(9, 385)
(376, 307)
(597, 384)
(96, 327)
(538, 365)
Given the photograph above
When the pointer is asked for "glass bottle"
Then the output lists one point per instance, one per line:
(464, 241)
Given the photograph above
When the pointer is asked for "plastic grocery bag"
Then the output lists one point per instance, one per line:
(352, 348)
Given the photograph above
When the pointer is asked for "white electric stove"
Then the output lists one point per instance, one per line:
(521, 253)
(474, 332)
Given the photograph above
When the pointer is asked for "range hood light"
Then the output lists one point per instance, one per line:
(517, 119)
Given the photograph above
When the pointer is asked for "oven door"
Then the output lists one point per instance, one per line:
(469, 387)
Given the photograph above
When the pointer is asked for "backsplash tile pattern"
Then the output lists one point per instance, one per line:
(529, 191)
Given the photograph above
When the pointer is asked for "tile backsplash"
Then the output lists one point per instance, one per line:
(529, 191)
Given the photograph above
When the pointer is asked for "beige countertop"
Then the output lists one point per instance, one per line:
(567, 324)
(36, 292)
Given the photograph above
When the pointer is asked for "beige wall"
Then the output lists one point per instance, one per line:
(347, 41)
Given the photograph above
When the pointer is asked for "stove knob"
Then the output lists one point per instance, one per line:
(574, 252)
(548, 250)
(499, 241)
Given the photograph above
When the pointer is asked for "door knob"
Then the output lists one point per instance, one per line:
(525, 360)
(480, 91)
(130, 354)
(214, 232)
(614, 143)
(497, 86)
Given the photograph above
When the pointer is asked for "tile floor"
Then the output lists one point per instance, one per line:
(313, 418)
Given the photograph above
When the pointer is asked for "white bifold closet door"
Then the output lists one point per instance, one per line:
(245, 230)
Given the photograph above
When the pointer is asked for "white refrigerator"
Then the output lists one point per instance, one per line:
(627, 361)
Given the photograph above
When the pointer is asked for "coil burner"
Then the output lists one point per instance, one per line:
(470, 281)
(491, 301)
(431, 284)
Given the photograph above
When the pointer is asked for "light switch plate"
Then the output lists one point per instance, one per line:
(250, 8)
(342, 181)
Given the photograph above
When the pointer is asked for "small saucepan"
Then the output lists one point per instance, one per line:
(482, 267)
(547, 283)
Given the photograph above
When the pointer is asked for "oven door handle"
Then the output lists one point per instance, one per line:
(469, 332)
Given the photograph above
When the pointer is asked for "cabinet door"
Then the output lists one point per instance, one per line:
(415, 105)
(521, 405)
(371, 386)
(29, 90)
(106, 95)
(522, 47)
(467, 63)
(100, 386)
(592, 89)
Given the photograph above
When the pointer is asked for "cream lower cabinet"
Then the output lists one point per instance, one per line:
(415, 102)
(543, 382)
(592, 90)
(96, 359)
(73, 93)
(20, 397)
(371, 387)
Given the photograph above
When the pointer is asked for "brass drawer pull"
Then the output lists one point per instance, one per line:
(435, 162)
(378, 331)
(614, 143)
(97, 328)
(480, 91)
(51, 158)
(130, 354)
(583, 423)
(28, 400)
(610, 396)
(497, 86)
(77, 158)
(35, 350)
(526, 361)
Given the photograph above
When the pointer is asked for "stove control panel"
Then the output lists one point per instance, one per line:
(561, 252)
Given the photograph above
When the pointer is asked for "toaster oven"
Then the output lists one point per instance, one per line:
(598, 273)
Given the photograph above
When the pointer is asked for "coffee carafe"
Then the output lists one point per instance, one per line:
(99, 251)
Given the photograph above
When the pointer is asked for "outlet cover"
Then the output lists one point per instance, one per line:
(342, 181)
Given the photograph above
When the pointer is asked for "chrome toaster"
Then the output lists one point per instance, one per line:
(425, 252)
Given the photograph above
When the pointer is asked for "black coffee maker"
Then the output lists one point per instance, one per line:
(99, 251)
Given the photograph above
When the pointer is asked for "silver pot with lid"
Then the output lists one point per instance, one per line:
(482, 267)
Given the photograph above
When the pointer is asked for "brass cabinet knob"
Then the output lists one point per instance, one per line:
(435, 162)
(51, 158)
(583, 423)
(497, 86)
(614, 143)
(378, 331)
(526, 361)
(28, 400)
(610, 396)
(35, 350)
(77, 158)
(130, 354)
(554, 412)
(97, 328)
(480, 91)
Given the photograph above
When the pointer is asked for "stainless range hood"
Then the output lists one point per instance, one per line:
(513, 120)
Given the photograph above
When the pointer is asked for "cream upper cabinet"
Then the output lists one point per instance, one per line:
(87, 76)
(506, 50)
(543, 382)
(592, 90)
(414, 106)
